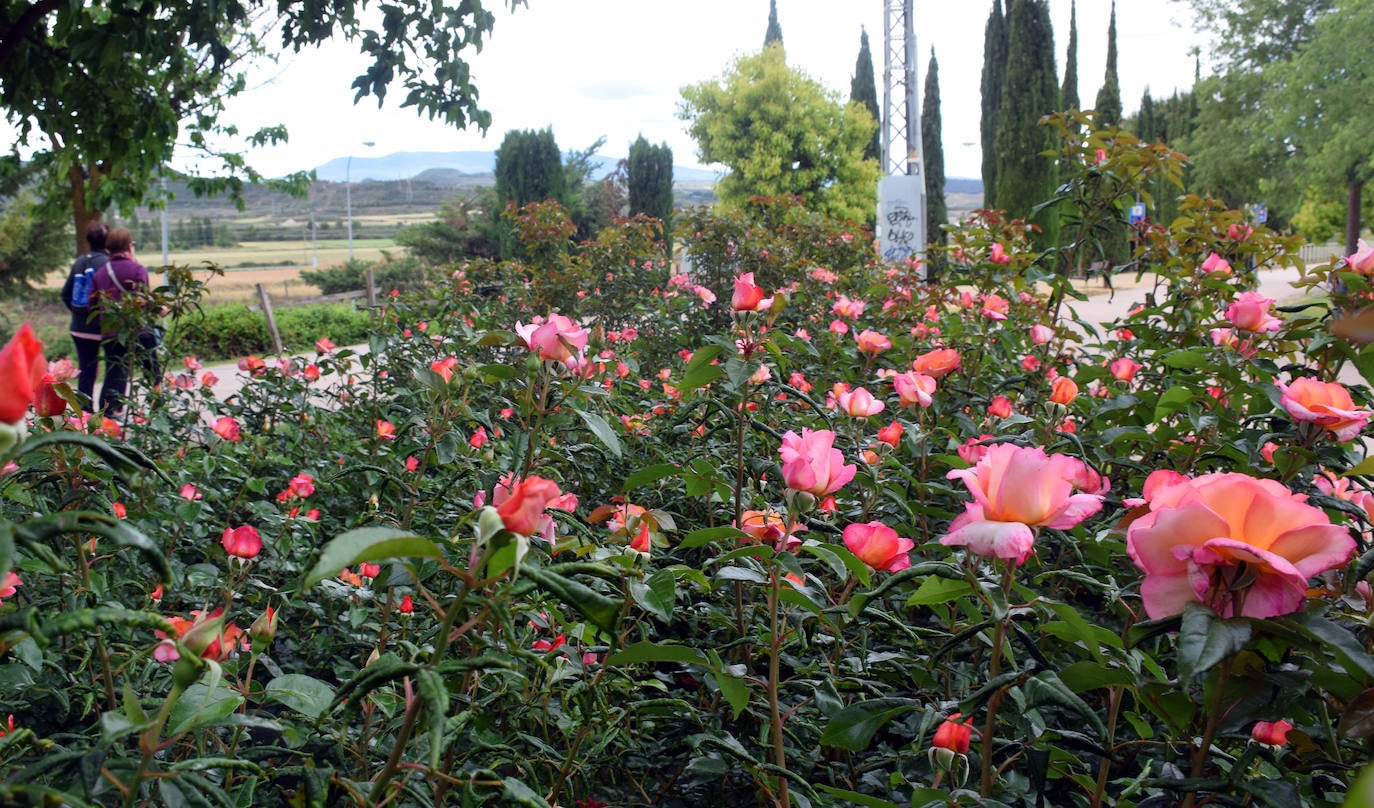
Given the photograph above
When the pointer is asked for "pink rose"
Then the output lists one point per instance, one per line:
(1238, 544)
(1362, 261)
(914, 389)
(878, 546)
(859, 403)
(556, 338)
(811, 463)
(749, 297)
(1017, 488)
(1250, 312)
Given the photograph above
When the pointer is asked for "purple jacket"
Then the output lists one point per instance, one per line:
(131, 274)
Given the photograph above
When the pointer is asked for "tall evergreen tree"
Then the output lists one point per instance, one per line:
(1146, 127)
(774, 32)
(529, 168)
(1109, 97)
(1025, 177)
(994, 76)
(1068, 95)
(937, 214)
(649, 182)
(864, 90)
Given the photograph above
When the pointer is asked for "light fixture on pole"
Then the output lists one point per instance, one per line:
(348, 197)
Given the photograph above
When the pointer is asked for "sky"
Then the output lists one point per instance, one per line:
(615, 68)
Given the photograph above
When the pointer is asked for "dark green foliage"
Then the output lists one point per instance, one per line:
(403, 273)
(1109, 97)
(1068, 94)
(529, 168)
(774, 32)
(994, 76)
(233, 331)
(461, 231)
(863, 89)
(649, 182)
(31, 246)
(937, 214)
(1025, 177)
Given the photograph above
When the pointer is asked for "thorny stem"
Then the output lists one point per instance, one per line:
(1214, 716)
(999, 638)
(774, 650)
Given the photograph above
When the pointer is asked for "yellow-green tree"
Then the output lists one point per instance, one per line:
(780, 132)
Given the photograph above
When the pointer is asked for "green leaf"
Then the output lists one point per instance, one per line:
(1357, 719)
(600, 610)
(657, 594)
(201, 706)
(430, 686)
(1048, 688)
(938, 590)
(1349, 651)
(735, 691)
(1173, 400)
(1084, 675)
(857, 798)
(304, 694)
(651, 474)
(854, 726)
(700, 371)
(706, 535)
(85, 523)
(1185, 359)
(368, 544)
(126, 460)
(515, 792)
(646, 651)
(1204, 640)
(601, 429)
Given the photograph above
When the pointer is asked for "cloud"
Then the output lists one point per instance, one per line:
(615, 90)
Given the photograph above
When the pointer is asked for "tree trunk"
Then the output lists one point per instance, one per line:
(81, 214)
(1352, 216)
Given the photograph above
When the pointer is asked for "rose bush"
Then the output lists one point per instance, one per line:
(650, 557)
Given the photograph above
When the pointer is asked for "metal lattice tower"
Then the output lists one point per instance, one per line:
(902, 190)
(902, 152)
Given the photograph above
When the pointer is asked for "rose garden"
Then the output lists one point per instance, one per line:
(792, 528)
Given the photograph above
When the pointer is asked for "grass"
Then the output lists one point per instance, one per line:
(276, 253)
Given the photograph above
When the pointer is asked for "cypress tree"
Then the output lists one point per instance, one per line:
(649, 183)
(863, 89)
(1109, 97)
(1068, 95)
(1145, 126)
(994, 76)
(937, 214)
(1025, 177)
(774, 32)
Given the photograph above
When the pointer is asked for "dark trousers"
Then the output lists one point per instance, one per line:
(117, 364)
(88, 360)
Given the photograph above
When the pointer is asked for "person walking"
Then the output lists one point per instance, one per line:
(85, 325)
(123, 274)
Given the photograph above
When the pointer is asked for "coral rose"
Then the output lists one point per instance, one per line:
(914, 389)
(938, 363)
(1015, 489)
(1326, 404)
(878, 546)
(872, 342)
(810, 462)
(748, 296)
(1063, 390)
(1240, 545)
(859, 403)
(522, 510)
(22, 367)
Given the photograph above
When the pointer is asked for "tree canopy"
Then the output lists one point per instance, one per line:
(649, 181)
(994, 76)
(932, 140)
(101, 93)
(780, 132)
(1025, 176)
(1108, 104)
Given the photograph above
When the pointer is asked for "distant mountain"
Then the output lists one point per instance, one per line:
(409, 165)
(465, 168)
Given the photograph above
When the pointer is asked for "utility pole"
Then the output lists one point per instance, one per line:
(902, 191)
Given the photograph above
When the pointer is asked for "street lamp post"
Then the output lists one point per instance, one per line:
(348, 197)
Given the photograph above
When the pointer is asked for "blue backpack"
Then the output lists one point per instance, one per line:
(81, 289)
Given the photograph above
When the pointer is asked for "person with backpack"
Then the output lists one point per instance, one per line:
(122, 275)
(76, 296)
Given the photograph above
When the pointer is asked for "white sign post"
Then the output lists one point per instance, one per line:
(901, 217)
